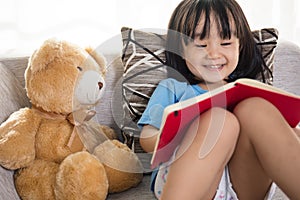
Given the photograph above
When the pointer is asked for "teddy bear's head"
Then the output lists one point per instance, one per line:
(61, 76)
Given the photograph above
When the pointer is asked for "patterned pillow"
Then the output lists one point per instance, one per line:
(143, 59)
(266, 40)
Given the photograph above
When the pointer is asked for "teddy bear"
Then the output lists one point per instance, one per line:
(55, 147)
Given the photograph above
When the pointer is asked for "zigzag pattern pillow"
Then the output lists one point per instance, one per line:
(266, 40)
(143, 59)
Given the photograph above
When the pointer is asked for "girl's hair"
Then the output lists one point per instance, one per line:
(182, 26)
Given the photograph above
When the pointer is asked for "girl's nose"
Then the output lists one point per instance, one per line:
(213, 51)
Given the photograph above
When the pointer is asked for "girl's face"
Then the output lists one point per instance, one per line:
(212, 59)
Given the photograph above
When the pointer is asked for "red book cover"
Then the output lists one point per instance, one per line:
(176, 117)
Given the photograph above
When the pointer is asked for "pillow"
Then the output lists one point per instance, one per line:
(266, 40)
(143, 59)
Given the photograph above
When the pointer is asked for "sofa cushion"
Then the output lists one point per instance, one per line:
(286, 67)
(12, 92)
(143, 59)
(13, 97)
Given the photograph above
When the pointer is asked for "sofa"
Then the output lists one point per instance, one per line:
(286, 76)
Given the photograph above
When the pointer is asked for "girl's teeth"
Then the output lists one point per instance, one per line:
(214, 66)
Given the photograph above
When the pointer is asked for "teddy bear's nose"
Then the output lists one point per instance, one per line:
(100, 85)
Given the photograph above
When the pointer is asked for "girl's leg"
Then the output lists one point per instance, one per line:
(267, 149)
(297, 130)
(191, 177)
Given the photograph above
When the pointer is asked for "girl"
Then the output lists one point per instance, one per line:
(223, 155)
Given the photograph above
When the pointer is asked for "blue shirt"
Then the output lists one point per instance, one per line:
(168, 91)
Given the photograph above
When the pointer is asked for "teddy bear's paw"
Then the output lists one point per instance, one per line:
(81, 176)
(123, 168)
(17, 136)
(36, 182)
(109, 132)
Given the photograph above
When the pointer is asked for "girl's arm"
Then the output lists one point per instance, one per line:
(148, 138)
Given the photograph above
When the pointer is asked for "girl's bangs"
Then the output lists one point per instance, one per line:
(224, 19)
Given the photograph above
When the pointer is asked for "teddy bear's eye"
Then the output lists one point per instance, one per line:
(100, 85)
(79, 68)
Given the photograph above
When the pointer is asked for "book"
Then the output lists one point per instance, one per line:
(176, 117)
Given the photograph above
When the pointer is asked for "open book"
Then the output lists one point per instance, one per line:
(177, 117)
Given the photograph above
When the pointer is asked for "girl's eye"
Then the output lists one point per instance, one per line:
(201, 45)
(226, 43)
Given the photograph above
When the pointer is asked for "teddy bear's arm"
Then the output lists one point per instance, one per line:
(17, 139)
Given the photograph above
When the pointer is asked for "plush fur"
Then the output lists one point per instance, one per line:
(42, 142)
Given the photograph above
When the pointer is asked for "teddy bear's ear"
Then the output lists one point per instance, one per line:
(49, 50)
(98, 57)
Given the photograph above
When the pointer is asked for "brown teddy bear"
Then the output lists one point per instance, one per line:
(57, 150)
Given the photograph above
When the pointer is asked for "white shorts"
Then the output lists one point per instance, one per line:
(224, 191)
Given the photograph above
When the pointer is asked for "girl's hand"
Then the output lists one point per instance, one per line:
(148, 138)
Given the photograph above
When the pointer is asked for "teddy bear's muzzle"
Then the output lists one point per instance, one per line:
(89, 88)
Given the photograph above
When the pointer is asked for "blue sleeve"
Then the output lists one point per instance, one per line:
(162, 96)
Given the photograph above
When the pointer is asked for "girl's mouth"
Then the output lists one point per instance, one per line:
(214, 67)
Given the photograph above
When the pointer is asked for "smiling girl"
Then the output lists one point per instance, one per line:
(223, 155)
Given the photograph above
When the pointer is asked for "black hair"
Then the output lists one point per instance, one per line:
(182, 27)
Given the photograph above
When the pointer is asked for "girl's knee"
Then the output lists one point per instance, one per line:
(223, 132)
(256, 115)
(253, 107)
(229, 126)
(214, 132)
(222, 124)
(225, 119)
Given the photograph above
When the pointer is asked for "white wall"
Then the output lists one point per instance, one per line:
(281, 14)
(24, 24)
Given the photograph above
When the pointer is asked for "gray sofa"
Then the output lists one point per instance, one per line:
(286, 76)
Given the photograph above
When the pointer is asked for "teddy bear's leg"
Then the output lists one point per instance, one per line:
(81, 176)
(36, 182)
(123, 168)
